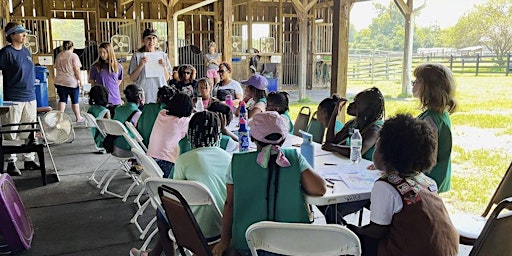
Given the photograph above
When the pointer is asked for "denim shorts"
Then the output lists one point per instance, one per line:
(166, 166)
(64, 92)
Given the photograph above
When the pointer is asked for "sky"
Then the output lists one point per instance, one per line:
(444, 13)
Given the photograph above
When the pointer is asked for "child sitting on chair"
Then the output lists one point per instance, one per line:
(128, 112)
(98, 101)
(279, 101)
(170, 127)
(205, 163)
(266, 184)
(150, 112)
(407, 215)
(325, 110)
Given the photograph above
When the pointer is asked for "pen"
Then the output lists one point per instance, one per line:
(330, 164)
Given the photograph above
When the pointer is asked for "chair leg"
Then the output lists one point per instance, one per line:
(148, 227)
(148, 240)
(137, 199)
(97, 168)
(134, 183)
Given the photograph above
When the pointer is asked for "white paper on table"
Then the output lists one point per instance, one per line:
(152, 67)
(360, 180)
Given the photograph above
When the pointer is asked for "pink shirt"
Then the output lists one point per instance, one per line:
(64, 65)
(167, 132)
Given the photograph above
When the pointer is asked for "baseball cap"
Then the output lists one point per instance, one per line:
(266, 123)
(18, 29)
(149, 32)
(258, 81)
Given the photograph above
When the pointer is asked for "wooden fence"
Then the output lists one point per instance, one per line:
(380, 67)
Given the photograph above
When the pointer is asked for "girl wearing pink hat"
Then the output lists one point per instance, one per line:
(269, 183)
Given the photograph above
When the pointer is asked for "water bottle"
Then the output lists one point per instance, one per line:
(199, 104)
(229, 101)
(243, 111)
(356, 144)
(307, 149)
(1, 88)
(243, 136)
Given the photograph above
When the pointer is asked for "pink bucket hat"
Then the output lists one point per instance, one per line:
(258, 81)
(266, 123)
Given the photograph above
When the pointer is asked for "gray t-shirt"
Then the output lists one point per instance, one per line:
(212, 57)
(149, 84)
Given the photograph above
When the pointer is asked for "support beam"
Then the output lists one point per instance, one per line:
(341, 27)
(227, 9)
(171, 44)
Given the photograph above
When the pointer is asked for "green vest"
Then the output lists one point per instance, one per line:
(442, 171)
(287, 114)
(250, 190)
(98, 112)
(122, 114)
(147, 120)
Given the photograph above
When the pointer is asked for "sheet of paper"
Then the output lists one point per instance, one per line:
(360, 180)
(152, 67)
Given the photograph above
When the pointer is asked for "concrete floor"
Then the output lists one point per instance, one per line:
(71, 217)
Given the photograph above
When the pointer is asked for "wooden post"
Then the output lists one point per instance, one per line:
(477, 63)
(170, 33)
(341, 23)
(407, 61)
(303, 54)
(227, 10)
(509, 66)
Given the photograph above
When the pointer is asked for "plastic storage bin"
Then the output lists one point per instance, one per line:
(41, 85)
(272, 84)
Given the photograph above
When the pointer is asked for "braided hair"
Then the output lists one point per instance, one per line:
(165, 94)
(204, 130)
(374, 108)
(280, 100)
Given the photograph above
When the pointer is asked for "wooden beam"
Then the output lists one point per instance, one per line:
(310, 5)
(403, 7)
(125, 2)
(299, 7)
(227, 10)
(341, 27)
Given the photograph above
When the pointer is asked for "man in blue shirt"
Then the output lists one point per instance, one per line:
(19, 78)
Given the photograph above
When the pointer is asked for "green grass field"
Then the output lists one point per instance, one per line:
(482, 131)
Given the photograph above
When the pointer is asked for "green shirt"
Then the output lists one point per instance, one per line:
(147, 120)
(123, 112)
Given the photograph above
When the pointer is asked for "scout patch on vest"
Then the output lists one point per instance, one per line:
(394, 178)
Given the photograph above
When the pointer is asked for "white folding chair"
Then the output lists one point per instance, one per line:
(302, 239)
(116, 128)
(195, 193)
(91, 123)
(151, 169)
(136, 135)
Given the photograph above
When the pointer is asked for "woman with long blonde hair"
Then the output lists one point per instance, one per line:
(107, 72)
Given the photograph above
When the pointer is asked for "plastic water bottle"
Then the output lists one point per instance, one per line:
(1, 88)
(307, 149)
(243, 136)
(229, 101)
(243, 111)
(356, 144)
(199, 104)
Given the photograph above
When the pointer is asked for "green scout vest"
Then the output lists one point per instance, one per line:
(122, 114)
(250, 190)
(98, 112)
(147, 120)
(441, 172)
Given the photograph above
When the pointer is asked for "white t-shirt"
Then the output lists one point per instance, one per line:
(232, 85)
(385, 202)
(149, 84)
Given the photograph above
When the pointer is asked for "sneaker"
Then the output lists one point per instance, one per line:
(12, 169)
(81, 120)
(137, 252)
(31, 165)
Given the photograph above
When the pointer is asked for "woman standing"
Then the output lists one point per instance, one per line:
(435, 88)
(67, 79)
(142, 57)
(212, 61)
(227, 85)
(108, 72)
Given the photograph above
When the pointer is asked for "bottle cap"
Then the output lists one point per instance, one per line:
(305, 135)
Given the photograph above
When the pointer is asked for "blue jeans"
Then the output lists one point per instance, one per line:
(167, 167)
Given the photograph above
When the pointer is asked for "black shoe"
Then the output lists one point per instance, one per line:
(31, 165)
(12, 169)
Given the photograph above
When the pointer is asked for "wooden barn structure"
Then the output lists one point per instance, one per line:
(284, 39)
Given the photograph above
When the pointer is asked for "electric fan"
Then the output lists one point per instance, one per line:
(58, 127)
(268, 44)
(31, 44)
(236, 44)
(15, 226)
(120, 44)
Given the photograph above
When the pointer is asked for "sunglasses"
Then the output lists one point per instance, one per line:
(221, 71)
(187, 72)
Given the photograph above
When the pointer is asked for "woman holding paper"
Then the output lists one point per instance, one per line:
(149, 68)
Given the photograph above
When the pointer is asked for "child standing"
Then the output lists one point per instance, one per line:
(266, 184)
(107, 72)
(407, 215)
(170, 127)
(435, 88)
(98, 100)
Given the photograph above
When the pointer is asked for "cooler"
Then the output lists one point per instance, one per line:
(41, 85)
